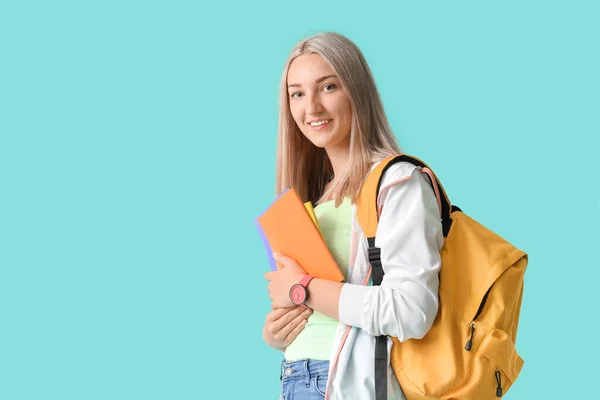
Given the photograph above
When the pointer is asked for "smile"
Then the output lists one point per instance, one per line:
(319, 124)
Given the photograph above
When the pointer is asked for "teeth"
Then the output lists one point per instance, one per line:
(319, 123)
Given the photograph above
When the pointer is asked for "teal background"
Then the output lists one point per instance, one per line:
(137, 144)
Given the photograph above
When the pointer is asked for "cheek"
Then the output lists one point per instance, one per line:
(345, 113)
(342, 108)
(296, 114)
(348, 109)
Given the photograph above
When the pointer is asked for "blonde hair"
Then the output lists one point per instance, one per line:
(306, 167)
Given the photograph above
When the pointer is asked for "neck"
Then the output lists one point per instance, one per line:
(338, 157)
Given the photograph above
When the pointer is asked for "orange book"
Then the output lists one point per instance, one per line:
(289, 229)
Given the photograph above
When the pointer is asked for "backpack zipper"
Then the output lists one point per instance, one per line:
(469, 344)
(470, 341)
(499, 381)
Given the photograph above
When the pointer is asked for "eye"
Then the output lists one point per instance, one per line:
(296, 95)
(329, 87)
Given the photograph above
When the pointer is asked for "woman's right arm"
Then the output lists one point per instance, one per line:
(282, 325)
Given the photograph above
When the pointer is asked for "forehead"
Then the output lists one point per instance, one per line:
(308, 68)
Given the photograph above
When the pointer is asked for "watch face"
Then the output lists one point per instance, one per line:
(298, 294)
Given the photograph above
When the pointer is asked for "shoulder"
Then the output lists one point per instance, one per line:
(398, 172)
(395, 173)
(408, 179)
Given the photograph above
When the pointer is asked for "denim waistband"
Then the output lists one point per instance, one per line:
(304, 369)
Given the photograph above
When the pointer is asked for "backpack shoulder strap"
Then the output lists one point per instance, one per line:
(366, 205)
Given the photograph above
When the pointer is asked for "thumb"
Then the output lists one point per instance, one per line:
(269, 275)
(286, 261)
(282, 258)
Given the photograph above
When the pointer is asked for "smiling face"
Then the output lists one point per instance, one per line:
(318, 103)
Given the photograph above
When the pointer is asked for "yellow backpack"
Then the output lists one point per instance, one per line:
(469, 353)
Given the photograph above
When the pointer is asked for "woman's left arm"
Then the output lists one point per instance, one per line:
(323, 295)
(410, 237)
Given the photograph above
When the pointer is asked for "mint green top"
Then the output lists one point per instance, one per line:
(316, 338)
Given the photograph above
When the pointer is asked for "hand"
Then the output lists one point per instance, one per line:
(282, 325)
(281, 281)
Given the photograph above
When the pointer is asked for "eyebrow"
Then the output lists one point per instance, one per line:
(318, 80)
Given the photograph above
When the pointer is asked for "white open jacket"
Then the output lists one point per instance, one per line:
(410, 237)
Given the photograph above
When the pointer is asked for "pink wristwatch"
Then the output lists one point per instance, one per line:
(298, 292)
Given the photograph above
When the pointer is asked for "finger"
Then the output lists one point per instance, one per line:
(282, 258)
(296, 331)
(288, 261)
(269, 275)
(283, 315)
(291, 320)
(297, 321)
(291, 313)
(277, 313)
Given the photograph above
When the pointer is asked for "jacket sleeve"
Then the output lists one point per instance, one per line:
(410, 237)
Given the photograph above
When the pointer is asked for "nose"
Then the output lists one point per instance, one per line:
(314, 105)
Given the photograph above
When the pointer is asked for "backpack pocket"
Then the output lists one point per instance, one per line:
(494, 367)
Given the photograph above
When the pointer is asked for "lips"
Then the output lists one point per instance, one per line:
(319, 123)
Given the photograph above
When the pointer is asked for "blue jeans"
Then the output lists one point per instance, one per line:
(304, 379)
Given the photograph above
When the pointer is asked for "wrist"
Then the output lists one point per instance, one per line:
(299, 291)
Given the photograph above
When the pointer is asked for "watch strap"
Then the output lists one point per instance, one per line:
(306, 280)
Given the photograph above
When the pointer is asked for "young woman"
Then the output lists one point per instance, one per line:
(332, 132)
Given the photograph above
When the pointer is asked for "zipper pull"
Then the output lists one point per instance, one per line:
(470, 341)
(499, 380)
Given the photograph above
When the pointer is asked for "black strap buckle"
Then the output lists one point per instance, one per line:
(375, 255)
(375, 261)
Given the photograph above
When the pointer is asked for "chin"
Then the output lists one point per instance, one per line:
(320, 143)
